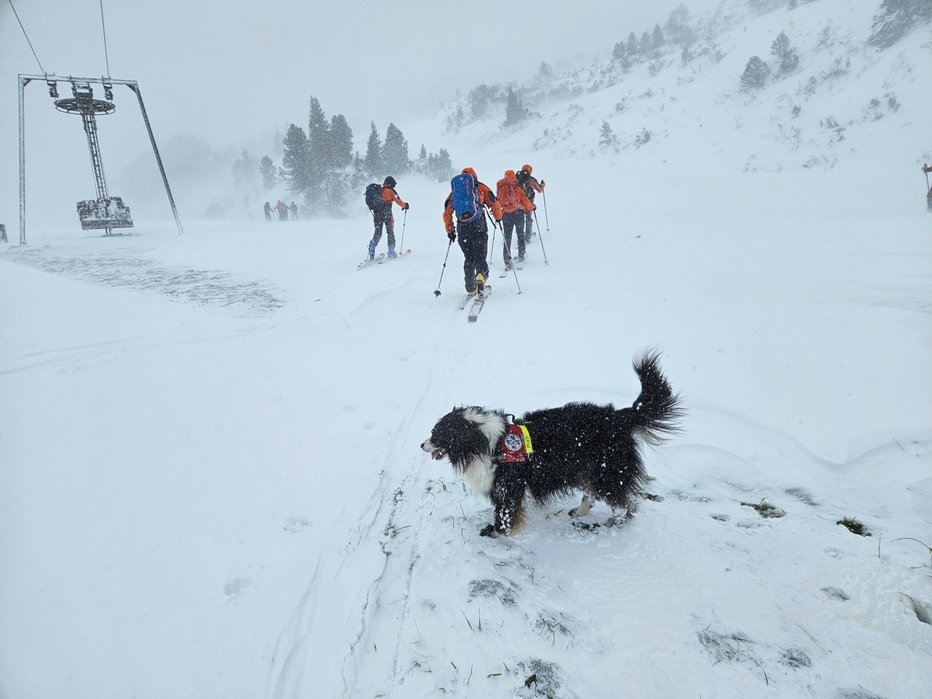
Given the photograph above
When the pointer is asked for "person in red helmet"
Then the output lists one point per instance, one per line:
(472, 229)
(529, 186)
(515, 206)
(382, 214)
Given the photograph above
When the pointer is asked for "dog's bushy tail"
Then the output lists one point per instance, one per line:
(657, 410)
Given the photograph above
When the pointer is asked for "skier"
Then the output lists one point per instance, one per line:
(515, 206)
(293, 208)
(268, 211)
(530, 185)
(382, 214)
(472, 229)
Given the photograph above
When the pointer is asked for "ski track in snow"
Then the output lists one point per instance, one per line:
(207, 288)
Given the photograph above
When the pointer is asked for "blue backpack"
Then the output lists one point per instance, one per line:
(465, 197)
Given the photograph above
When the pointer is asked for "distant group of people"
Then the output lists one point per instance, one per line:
(464, 217)
(282, 209)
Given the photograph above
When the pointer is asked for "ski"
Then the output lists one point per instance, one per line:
(466, 299)
(401, 254)
(478, 303)
(370, 261)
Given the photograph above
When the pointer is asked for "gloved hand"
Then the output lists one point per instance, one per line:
(406, 207)
(542, 184)
(452, 236)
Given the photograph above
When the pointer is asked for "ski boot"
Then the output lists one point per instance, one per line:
(480, 284)
(372, 245)
(391, 252)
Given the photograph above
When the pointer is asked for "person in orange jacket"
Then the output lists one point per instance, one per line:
(473, 234)
(530, 186)
(515, 206)
(382, 214)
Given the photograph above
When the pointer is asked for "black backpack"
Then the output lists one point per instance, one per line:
(373, 195)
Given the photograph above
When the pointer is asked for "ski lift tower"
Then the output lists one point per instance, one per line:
(105, 212)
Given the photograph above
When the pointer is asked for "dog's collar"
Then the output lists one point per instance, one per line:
(515, 445)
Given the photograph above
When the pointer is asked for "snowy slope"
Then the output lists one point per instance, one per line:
(210, 480)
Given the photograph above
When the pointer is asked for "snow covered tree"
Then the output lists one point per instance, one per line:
(607, 137)
(656, 38)
(420, 165)
(267, 172)
(318, 140)
(677, 29)
(395, 151)
(341, 143)
(645, 45)
(755, 74)
(295, 160)
(479, 98)
(896, 18)
(785, 54)
(373, 160)
(633, 48)
(515, 111)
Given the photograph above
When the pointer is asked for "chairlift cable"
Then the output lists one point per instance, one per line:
(16, 14)
(104, 27)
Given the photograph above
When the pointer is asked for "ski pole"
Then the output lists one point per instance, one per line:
(925, 169)
(494, 228)
(543, 249)
(437, 290)
(404, 221)
(546, 217)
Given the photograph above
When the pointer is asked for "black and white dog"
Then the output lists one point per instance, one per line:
(549, 453)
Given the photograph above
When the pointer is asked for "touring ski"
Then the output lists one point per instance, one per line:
(478, 303)
(369, 261)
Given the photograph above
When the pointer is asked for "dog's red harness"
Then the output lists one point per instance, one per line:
(516, 445)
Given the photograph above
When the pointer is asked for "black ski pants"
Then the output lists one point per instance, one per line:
(513, 221)
(389, 222)
(473, 237)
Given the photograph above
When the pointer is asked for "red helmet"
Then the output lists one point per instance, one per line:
(527, 168)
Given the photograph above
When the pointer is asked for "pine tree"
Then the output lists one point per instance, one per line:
(295, 159)
(785, 54)
(420, 166)
(645, 45)
(677, 29)
(633, 49)
(607, 137)
(656, 38)
(318, 141)
(755, 74)
(515, 111)
(341, 142)
(395, 151)
(620, 51)
(896, 18)
(267, 171)
(374, 163)
(441, 167)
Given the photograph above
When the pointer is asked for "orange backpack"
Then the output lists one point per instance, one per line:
(507, 196)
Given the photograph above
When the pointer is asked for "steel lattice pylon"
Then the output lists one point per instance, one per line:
(105, 212)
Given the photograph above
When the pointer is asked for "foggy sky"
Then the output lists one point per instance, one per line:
(228, 69)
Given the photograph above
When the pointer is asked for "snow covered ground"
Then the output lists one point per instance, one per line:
(210, 480)
(212, 484)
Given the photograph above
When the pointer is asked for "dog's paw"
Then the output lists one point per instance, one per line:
(488, 530)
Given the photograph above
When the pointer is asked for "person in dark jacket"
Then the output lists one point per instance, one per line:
(382, 215)
(473, 235)
(268, 211)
